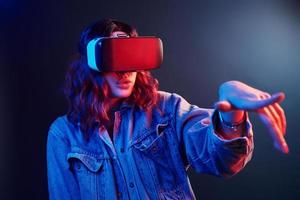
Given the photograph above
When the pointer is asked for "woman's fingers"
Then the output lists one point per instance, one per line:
(275, 113)
(276, 134)
(255, 103)
(276, 117)
(280, 111)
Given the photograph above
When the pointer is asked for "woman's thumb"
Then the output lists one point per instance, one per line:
(224, 106)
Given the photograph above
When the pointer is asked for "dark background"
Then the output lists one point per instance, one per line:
(205, 44)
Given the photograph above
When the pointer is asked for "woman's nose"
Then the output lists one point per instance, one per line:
(124, 74)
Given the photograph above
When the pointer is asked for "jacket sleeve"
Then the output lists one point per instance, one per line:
(203, 148)
(61, 182)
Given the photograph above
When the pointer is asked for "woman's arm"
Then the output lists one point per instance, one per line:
(220, 141)
(203, 146)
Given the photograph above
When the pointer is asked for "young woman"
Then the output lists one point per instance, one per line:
(124, 139)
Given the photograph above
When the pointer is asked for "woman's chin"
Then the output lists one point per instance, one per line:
(122, 93)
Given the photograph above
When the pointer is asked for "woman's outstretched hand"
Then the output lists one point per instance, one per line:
(236, 97)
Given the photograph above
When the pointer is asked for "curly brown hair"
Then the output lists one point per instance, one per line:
(86, 89)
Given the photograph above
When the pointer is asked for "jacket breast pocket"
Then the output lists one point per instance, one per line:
(88, 170)
(153, 151)
(154, 145)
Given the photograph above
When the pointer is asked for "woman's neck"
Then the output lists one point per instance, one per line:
(113, 106)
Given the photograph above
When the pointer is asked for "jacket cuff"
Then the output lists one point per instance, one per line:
(242, 144)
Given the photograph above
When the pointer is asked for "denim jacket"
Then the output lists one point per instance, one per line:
(148, 156)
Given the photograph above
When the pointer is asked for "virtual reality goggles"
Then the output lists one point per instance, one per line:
(117, 54)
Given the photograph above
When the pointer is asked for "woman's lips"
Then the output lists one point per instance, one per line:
(124, 81)
(124, 84)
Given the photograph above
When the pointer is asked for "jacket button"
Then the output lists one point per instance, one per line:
(131, 184)
(122, 150)
(154, 149)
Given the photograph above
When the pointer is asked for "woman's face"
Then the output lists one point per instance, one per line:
(120, 83)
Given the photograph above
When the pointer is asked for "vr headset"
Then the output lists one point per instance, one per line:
(117, 54)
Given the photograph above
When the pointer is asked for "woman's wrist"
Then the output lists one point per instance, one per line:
(234, 127)
(233, 116)
(236, 121)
